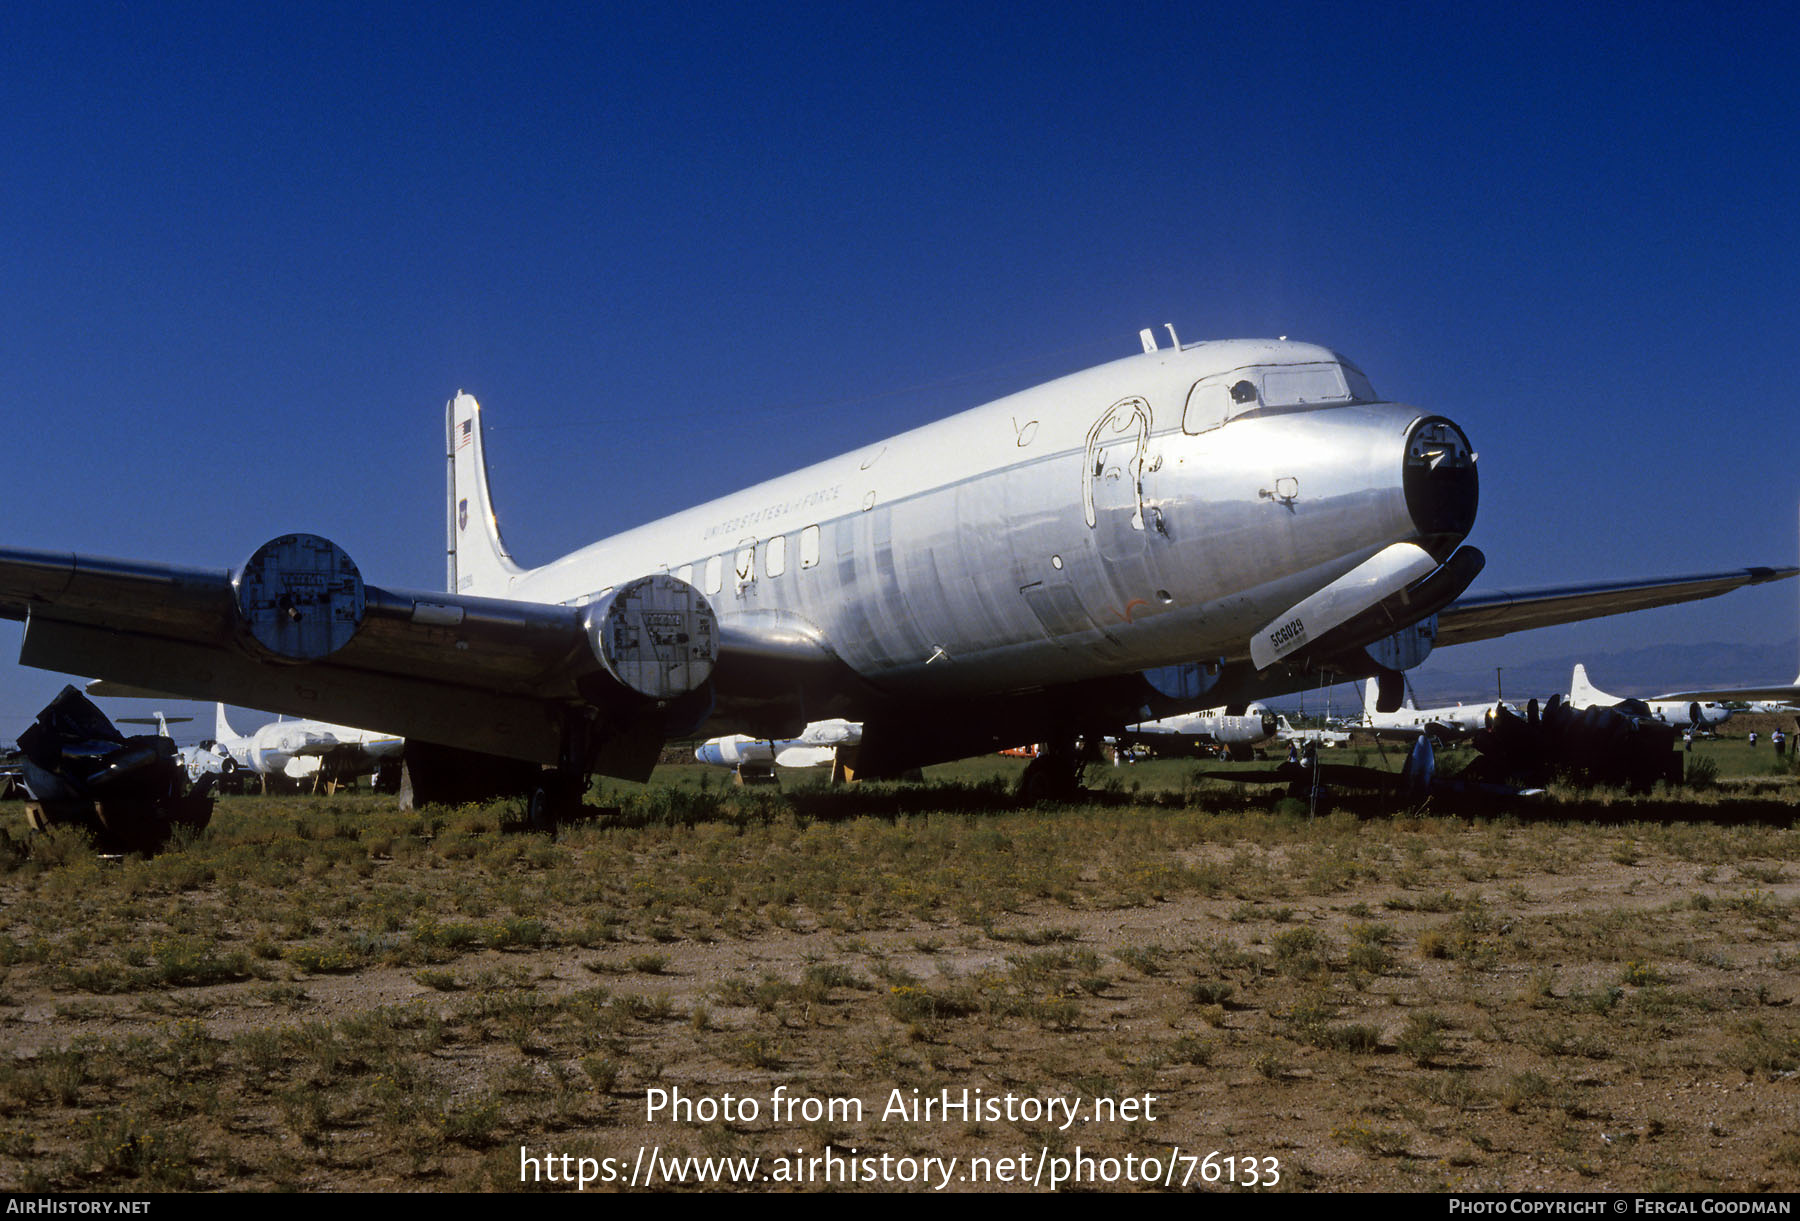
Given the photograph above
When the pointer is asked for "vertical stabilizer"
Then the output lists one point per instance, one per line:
(1582, 693)
(222, 730)
(478, 561)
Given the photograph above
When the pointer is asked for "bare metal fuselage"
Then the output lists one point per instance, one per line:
(1097, 526)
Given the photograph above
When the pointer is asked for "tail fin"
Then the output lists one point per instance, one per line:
(1582, 693)
(222, 730)
(478, 561)
(1371, 693)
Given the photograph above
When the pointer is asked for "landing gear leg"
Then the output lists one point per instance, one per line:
(1055, 775)
(556, 798)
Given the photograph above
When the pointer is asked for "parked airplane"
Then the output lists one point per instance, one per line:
(1196, 733)
(1679, 709)
(1776, 697)
(1786, 701)
(1318, 737)
(1194, 526)
(817, 746)
(306, 751)
(1445, 723)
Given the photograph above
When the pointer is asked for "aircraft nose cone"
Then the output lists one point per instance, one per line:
(1441, 484)
(708, 754)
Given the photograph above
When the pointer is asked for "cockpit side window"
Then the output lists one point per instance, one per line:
(1208, 403)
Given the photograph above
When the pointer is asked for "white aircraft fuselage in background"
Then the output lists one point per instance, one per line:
(1194, 526)
(1444, 723)
(1318, 737)
(816, 746)
(299, 749)
(1698, 713)
(1209, 726)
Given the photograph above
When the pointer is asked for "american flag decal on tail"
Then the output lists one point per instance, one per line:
(465, 433)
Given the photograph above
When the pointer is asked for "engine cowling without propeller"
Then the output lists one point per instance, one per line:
(299, 598)
(655, 636)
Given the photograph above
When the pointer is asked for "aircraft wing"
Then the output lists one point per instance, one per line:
(1443, 731)
(482, 673)
(1484, 616)
(1788, 692)
(421, 661)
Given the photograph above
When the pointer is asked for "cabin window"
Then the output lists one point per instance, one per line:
(715, 574)
(746, 563)
(775, 556)
(685, 574)
(809, 547)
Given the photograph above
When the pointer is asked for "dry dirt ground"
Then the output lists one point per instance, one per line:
(326, 995)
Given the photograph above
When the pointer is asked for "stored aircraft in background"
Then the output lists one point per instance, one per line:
(1446, 723)
(306, 752)
(1698, 709)
(817, 746)
(1317, 737)
(1776, 697)
(1199, 733)
(1195, 526)
(1767, 699)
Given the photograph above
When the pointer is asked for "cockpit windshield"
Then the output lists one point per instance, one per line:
(1224, 396)
(1293, 385)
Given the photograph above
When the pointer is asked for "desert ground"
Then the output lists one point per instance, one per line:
(1182, 983)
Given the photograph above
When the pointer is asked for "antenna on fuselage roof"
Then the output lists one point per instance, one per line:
(1147, 337)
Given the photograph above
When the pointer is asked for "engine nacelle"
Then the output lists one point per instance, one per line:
(299, 598)
(1406, 648)
(656, 636)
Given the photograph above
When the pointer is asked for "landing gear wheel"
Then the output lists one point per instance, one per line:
(556, 798)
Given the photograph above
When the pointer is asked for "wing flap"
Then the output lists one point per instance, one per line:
(517, 726)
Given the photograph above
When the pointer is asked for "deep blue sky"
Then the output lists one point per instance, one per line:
(251, 250)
